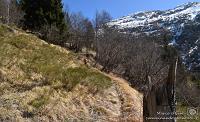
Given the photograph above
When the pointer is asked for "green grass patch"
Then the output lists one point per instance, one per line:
(73, 76)
(40, 101)
(99, 80)
(33, 56)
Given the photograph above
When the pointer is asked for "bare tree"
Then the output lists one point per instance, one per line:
(82, 32)
(15, 12)
(3, 11)
(110, 48)
(10, 12)
(101, 18)
(89, 34)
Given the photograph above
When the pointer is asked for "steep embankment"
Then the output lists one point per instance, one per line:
(42, 82)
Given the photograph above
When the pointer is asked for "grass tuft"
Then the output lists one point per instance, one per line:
(40, 101)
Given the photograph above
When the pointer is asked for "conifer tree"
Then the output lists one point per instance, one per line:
(43, 12)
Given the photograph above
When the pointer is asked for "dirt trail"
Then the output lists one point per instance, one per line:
(131, 100)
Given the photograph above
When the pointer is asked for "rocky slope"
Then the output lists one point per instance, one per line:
(183, 22)
(43, 82)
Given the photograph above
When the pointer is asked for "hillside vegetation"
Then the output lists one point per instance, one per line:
(44, 82)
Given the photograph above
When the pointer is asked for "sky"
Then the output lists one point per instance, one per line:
(119, 8)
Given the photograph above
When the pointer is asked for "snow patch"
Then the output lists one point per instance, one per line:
(192, 50)
(146, 18)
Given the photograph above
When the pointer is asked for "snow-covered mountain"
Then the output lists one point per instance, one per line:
(183, 22)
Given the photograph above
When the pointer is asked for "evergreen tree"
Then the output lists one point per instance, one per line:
(43, 12)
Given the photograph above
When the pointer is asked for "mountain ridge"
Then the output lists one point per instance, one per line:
(182, 22)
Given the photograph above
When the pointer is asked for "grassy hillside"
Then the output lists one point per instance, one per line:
(41, 63)
(43, 82)
(27, 64)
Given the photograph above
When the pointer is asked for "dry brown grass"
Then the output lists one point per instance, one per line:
(42, 82)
